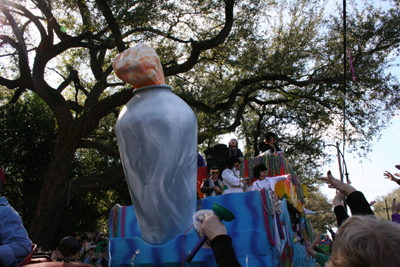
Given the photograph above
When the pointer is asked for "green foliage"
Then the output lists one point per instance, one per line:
(28, 130)
(29, 133)
(324, 217)
(382, 207)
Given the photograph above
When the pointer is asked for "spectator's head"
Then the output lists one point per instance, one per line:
(365, 240)
(259, 171)
(270, 137)
(69, 246)
(214, 172)
(232, 162)
(233, 144)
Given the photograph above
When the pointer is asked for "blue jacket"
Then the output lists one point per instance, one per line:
(14, 242)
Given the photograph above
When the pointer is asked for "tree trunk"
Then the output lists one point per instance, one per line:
(54, 193)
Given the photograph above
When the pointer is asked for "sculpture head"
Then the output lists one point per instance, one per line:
(139, 66)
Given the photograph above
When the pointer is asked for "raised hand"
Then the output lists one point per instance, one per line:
(332, 182)
(395, 207)
(390, 176)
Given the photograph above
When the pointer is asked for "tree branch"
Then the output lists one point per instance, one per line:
(158, 32)
(22, 51)
(52, 22)
(17, 94)
(197, 47)
(98, 146)
(112, 23)
(96, 182)
(90, 120)
(33, 18)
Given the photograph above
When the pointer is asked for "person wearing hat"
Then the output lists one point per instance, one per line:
(14, 242)
(260, 173)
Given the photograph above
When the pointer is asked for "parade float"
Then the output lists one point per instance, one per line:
(157, 138)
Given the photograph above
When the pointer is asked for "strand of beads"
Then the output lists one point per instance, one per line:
(242, 168)
(285, 165)
(274, 201)
(273, 165)
(266, 202)
(266, 214)
(279, 163)
(250, 167)
(277, 166)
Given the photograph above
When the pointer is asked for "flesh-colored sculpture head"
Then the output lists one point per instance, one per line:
(139, 66)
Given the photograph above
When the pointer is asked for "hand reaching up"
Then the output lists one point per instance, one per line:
(332, 182)
(390, 176)
(395, 207)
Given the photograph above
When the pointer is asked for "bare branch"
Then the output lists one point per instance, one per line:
(32, 18)
(22, 51)
(96, 182)
(112, 23)
(17, 94)
(197, 47)
(98, 146)
(52, 22)
(152, 30)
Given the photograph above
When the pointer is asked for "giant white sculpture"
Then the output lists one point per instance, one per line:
(157, 139)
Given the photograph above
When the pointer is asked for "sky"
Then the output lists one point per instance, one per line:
(367, 176)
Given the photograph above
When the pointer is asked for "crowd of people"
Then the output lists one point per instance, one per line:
(79, 249)
(230, 180)
(361, 239)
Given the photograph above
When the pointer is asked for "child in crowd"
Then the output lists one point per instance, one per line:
(260, 173)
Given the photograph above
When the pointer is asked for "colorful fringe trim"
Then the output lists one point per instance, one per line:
(116, 213)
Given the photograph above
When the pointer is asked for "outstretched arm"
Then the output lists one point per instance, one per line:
(310, 247)
(355, 199)
(332, 182)
(275, 179)
(340, 212)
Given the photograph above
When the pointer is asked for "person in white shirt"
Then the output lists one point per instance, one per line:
(231, 177)
(260, 172)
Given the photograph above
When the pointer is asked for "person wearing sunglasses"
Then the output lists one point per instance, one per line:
(231, 177)
(212, 186)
